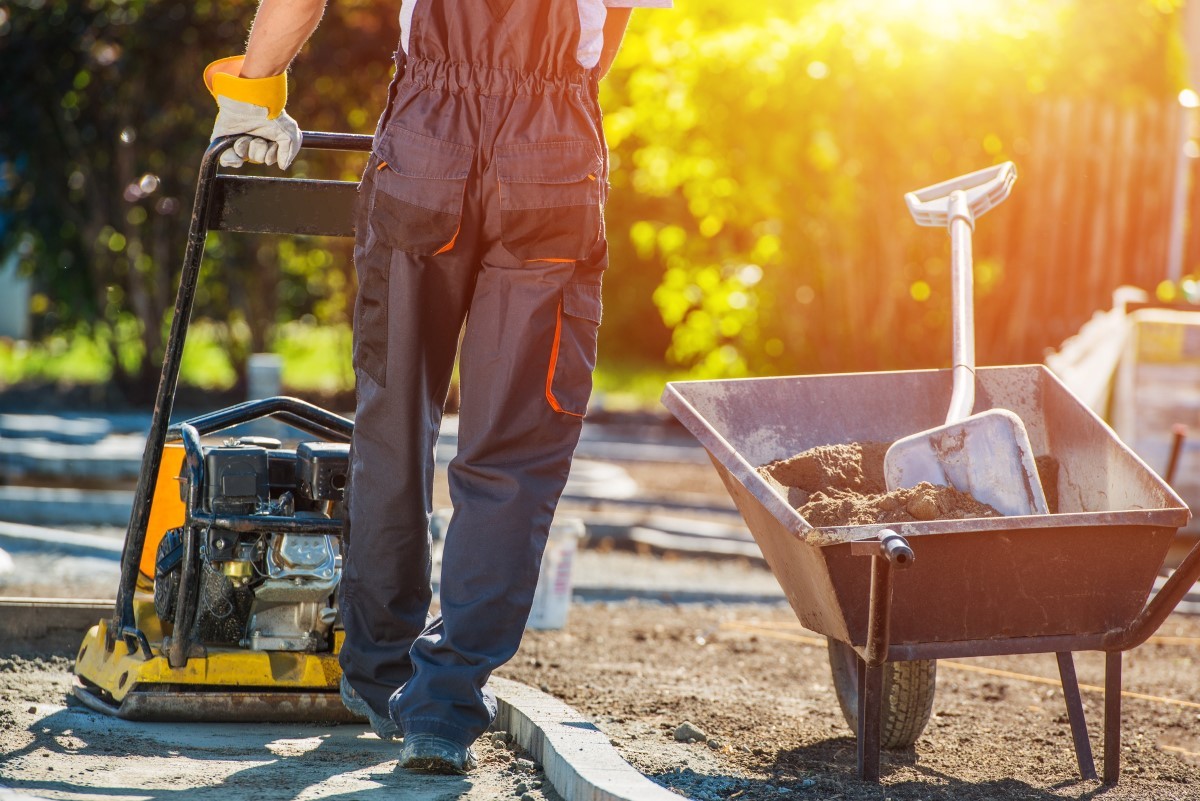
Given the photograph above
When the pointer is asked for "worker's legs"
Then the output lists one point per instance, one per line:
(407, 321)
(530, 337)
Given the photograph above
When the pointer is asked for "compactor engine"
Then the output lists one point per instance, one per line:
(260, 586)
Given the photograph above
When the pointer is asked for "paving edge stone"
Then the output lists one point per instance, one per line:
(578, 758)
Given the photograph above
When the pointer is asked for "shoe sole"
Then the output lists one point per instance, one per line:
(435, 765)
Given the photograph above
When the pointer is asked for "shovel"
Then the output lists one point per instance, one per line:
(985, 455)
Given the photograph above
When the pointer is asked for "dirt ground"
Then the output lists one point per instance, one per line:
(759, 688)
(753, 684)
(51, 748)
(747, 677)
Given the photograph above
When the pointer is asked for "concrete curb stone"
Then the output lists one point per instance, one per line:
(577, 757)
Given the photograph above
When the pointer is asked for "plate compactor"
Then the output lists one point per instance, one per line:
(227, 607)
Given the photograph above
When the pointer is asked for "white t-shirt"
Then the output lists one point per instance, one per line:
(592, 14)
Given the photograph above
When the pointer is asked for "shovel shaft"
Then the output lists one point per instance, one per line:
(962, 309)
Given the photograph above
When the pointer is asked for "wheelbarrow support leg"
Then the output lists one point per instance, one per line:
(870, 701)
(1070, 685)
(1112, 717)
(890, 550)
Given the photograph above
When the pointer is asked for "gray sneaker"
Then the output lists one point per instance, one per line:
(428, 753)
(384, 728)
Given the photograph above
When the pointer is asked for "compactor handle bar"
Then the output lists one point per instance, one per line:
(203, 214)
(309, 140)
(983, 190)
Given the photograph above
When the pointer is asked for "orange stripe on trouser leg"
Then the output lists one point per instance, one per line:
(553, 401)
(553, 261)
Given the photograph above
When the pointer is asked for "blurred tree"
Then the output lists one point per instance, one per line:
(762, 152)
(105, 118)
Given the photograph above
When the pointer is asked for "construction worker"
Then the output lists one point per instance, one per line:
(481, 203)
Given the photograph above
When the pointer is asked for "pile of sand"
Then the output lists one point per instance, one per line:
(843, 485)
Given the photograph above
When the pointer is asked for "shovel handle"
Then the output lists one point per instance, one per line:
(984, 190)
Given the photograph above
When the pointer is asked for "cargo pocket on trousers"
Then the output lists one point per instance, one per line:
(573, 352)
(418, 195)
(549, 199)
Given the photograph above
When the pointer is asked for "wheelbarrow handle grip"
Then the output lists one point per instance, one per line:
(890, 546)
(984, 189)
(896, 549)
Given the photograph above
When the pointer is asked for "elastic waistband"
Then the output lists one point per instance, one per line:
(460, 76)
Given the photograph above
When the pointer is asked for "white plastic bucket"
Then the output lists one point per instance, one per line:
(552, 598)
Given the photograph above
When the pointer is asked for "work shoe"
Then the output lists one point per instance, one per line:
(428, 753)
(384, 728)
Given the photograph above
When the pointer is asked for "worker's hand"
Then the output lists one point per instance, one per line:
(252, 107)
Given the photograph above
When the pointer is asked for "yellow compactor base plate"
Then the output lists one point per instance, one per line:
(227, 684)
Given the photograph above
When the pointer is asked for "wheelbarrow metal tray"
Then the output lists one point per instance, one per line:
(1034, 583)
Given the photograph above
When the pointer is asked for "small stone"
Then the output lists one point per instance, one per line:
(689, 732)
(500, 738)
(535, 785)
(714, 744)
(521, 789)
(32, 710)
(528, 797)
(525, 764)
(544, 688)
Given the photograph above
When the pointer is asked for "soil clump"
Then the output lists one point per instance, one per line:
(843, 485)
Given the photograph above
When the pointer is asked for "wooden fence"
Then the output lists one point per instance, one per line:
(1091, 211)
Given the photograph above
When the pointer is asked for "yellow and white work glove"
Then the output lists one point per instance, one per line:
(252, 107)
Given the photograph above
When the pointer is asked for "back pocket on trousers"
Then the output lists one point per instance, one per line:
(549, 199)
(418, 194)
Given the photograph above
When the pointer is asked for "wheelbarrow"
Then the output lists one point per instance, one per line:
(1076, 580)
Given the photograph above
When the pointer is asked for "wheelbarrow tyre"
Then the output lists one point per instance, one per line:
(908, 689)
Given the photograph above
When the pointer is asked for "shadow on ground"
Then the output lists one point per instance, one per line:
(74, 752)
(828, 770)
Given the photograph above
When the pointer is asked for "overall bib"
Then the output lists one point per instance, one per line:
(482, 202)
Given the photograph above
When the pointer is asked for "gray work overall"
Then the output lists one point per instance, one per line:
(482, 201)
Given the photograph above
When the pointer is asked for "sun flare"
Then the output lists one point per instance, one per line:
(953, 19)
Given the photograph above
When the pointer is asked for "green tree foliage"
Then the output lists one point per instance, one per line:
(104, 121)
(762, 152)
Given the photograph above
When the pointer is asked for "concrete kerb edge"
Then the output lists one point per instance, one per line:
(577, 757)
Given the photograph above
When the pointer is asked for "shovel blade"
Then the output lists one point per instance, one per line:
(987, 456)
